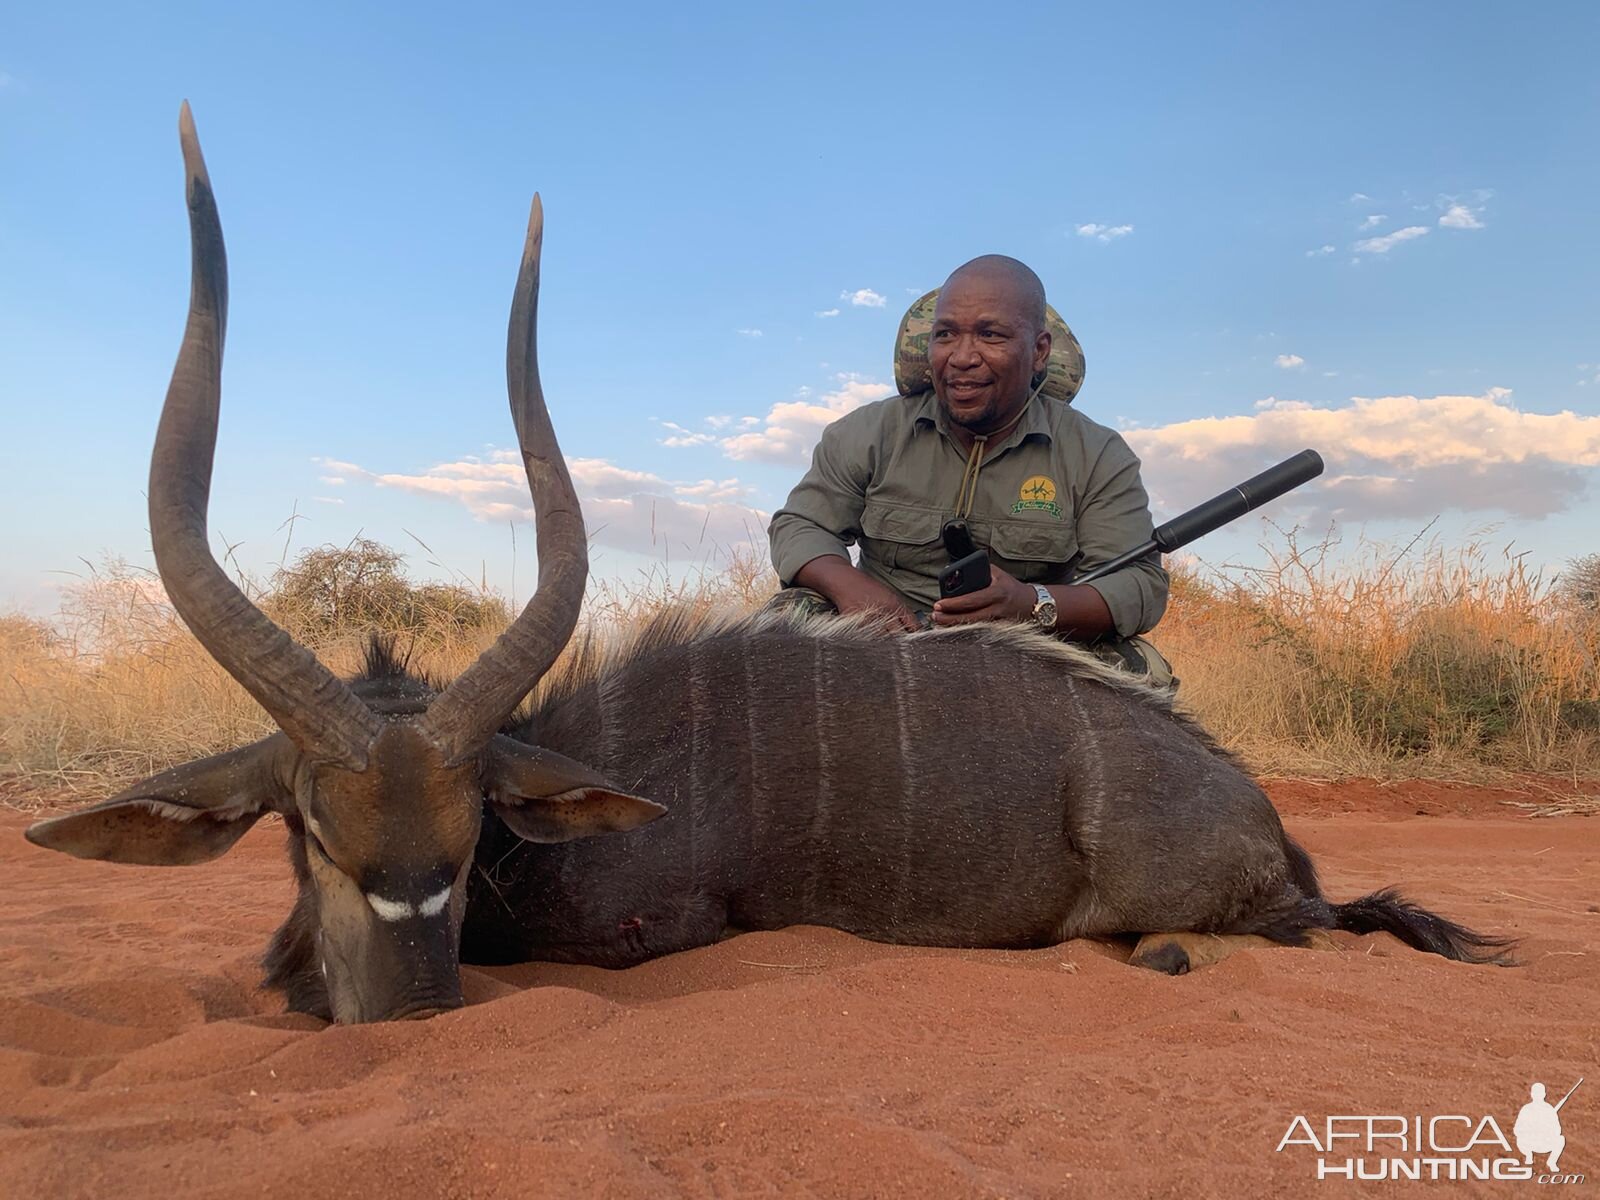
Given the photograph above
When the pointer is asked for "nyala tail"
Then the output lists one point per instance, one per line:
(1386, 911)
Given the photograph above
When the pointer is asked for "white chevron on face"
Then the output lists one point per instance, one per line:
(399, 910)
(390, 910)
(434, 904)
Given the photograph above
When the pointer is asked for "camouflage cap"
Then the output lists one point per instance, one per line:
(1063, 375)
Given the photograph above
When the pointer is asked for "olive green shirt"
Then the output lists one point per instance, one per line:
(1057, 486)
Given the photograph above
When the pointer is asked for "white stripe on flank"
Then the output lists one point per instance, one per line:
(434, 905)
(390, 910)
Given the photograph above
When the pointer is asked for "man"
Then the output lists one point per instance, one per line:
(1046, 490)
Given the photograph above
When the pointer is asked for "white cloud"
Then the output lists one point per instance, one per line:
(828, 312)
(328, 499)
(680, 437)
(1358, 198)
(1459, 216)
(1103, 233)
(714, 489)
(1374, 220)
(864, 298)
(792, 428)
(1319, 251)
(749, 333)
(1387, 456)
(623, 508)
(1386, 243)
(1289, 361)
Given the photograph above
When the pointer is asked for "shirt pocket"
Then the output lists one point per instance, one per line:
(903, 537)
(1033, 551)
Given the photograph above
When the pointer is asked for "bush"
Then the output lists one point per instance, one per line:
(1579, 585)
(335, 592)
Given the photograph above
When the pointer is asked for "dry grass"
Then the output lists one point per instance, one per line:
(117, 688)
(1426, 662)
(1422, 661)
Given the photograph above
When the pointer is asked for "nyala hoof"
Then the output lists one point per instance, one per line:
(1157, 952)
(1180, 953)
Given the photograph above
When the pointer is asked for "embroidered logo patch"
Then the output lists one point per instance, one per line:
(1037, 492)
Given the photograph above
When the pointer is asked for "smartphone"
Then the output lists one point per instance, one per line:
(969, 574)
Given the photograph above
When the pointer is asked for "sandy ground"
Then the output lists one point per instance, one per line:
(138, 1058)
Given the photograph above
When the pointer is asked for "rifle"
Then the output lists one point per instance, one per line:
(1570, 1090)
(969, 570)
(1219, 510)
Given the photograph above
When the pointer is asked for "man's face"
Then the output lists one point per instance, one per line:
(984, 351)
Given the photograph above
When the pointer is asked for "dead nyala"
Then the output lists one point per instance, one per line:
(976, 786)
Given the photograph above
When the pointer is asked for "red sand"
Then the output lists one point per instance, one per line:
(138, 1058)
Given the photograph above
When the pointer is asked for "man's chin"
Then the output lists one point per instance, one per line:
(973, 416)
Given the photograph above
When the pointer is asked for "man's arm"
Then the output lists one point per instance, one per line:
(1113, 519)
(853, 591)
(810, 535)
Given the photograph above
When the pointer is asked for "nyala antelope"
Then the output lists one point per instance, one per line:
(975, 786)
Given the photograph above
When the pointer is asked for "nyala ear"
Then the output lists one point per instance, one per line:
(545, 797)
(190, 814)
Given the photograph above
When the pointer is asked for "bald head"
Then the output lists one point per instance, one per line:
(1017, 279)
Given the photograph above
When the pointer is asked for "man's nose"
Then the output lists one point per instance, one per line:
(964, 353)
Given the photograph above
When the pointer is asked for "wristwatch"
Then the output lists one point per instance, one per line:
(1044, 612)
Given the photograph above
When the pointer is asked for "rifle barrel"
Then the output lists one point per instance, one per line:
(1219, 510)
(1570, 1090)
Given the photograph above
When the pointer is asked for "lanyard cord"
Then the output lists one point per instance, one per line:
(968, 495)
(969, 478)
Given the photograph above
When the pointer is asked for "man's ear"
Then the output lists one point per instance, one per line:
(1041, 352)
(190, 814)
(545, 797)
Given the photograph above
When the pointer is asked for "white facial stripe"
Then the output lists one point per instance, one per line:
(399, 910)
(434, 905)
(390, 910)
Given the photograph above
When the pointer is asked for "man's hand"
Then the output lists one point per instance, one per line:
(1081, 612)
(855, 592)
(1006, 598)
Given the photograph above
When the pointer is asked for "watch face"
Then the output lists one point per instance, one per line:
(1045, 611)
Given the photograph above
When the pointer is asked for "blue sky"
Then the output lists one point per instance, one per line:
(1365, 228)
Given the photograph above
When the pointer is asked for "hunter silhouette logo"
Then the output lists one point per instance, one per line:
(1440, 1147)
(1538, 1127)
(1037, 492)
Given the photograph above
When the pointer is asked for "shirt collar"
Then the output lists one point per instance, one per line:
(1035, 420)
